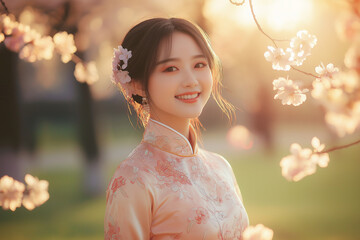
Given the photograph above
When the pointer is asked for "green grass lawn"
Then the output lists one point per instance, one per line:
(323, 206)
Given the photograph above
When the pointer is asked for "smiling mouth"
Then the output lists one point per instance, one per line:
(188, 97)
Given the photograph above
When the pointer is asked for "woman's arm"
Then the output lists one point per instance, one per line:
(128, 209)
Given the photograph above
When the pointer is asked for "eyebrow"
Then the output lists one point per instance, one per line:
(177, 59)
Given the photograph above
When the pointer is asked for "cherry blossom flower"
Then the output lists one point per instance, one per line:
(348, 25)
(289, 92)
(115, 60)
(122, 54)
(11, 193)
(86, 72)
(332, 98)
(347, 80)
(303, 161)
(37, 192)
(20, 35)
(240, 137)
(343, 123)
(320, 88)
(6, 24)
(327, 71)
(259, 232)
(64, 44)
(322, 159)
(298, 165)
(301, 46)
(121, 77)
(338, 95)
(280, 59)
(40, 48)
(352, 56)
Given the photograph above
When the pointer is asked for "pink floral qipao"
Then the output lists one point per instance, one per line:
(165, 190)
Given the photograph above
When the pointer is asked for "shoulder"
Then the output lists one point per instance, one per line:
(132, 172)
(215, 158)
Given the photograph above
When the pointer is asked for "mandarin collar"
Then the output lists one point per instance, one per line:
(170, 140)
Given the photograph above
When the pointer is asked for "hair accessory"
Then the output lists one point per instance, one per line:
(119, 64)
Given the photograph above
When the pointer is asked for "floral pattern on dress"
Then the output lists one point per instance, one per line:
(120, 181)
(234, 229)
(200, 215)
(169, 178)
(117, 183)
(166, 169)
(166, 140)
(192, 195)
(112, 233)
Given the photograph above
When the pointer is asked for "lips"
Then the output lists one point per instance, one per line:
(188, 97)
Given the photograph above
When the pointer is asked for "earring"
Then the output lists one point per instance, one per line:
(137, 98)
(145, 104)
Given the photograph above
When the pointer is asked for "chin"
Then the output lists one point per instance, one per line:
(193, 114)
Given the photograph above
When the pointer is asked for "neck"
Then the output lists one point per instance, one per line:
(180, 125)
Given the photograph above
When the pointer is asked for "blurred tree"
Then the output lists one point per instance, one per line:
(9, 115)
(64, 18)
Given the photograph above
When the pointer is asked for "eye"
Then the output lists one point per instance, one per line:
(170, 69)
(200, 65)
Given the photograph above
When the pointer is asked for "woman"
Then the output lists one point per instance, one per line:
(168, 187)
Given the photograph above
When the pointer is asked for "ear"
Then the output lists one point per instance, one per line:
(138, 88)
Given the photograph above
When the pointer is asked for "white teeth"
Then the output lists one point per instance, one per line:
(190, 96)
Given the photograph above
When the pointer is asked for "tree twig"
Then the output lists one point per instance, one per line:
(258, 25)
(237, 3)
(310, 74)
(274, 40)
(76, 59)
(341, 147)
(3, 4)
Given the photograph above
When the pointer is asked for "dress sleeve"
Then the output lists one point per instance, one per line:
(236, 185)
(128, 208)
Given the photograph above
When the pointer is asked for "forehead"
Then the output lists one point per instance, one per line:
(178, 44)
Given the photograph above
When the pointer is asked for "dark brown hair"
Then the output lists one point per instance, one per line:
(144, 41)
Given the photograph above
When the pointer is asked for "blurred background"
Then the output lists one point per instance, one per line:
(74, 134)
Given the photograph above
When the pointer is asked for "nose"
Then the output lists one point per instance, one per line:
(190, 78)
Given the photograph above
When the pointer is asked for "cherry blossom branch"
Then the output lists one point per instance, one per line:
(37, 47)
(260, 28)
(237, 3)
(341, 147)
(258, 25)
(3, 4)
(273, 56)
(14, 193)
(75, 58)
(271, 38)
(306, 73)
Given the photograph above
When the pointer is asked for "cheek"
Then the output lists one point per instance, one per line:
(208, 82)
(159, 90)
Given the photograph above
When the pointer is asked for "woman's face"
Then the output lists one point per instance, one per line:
(181, 82)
